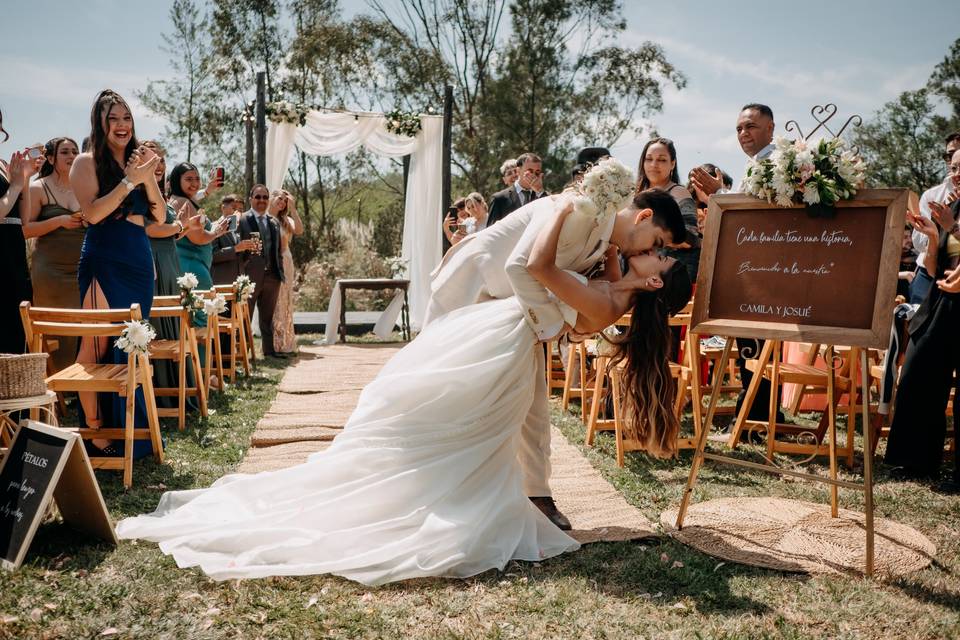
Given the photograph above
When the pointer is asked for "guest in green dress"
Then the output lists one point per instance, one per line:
(166, 265)
(53, 218)
(194, 249)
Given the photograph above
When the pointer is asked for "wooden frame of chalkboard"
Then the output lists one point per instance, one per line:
(47, 463)
(779, 273)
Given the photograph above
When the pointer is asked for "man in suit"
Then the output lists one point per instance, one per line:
(492, 264)
(755, 128)
(527, 188)
(229, 251)
(264, 268)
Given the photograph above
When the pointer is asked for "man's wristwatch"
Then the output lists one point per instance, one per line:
(180, 226)
(129, 185)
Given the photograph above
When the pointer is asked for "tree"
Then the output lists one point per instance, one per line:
(186, 101)
(945, 82)
(901, 144)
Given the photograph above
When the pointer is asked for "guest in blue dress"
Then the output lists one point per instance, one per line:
(118, 192)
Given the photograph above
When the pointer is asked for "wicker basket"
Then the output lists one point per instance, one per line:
(22, 376)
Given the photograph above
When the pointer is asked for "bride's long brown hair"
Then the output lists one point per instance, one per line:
(645, 348)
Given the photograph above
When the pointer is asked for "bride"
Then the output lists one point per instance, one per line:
(424, 480)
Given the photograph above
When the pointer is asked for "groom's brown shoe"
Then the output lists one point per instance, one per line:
(549, 509)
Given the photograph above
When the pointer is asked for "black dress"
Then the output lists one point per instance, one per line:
(16, 278)
(932, 360)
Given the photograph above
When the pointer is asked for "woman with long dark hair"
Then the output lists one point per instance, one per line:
(283, 207)
(425, 478)
(14, 195)
(658, 170)
(54, 219)
(118, 193)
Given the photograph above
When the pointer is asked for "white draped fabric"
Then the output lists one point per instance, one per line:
(331, 133)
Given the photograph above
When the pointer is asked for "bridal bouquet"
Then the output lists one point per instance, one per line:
(797, 172)
(605, 189)
(188, 299)
(136, 337)
(243, 287)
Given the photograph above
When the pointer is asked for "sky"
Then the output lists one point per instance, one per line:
(857, 54)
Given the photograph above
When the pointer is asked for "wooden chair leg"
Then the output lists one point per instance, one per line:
(597, 401)
(584, 397)
(182, 392)
(617, 416)
(153, 416)
(195, 362)
(568, 377)
(216, 346)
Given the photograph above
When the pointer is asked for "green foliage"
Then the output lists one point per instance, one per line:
(901, 145)
(945, 82)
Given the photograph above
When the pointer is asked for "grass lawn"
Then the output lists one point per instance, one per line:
(70, 588)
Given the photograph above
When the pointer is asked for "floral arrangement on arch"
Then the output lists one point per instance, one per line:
(136, 337)
(283, 111)
(605, 189)
(188, 299)
(398, 266)
(243, 287)
(797, 172)
(403, 123)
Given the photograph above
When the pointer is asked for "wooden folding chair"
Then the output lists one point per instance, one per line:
(233, 325)
(209, 338)
(246, 321)
(122, 379)
(577, 376)
(182, 350)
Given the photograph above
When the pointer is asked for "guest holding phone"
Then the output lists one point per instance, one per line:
(118, 193)
(54, 219)
(14, 195)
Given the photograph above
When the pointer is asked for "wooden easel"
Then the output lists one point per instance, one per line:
(867, 486)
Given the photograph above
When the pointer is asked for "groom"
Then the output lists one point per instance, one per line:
(492, 264)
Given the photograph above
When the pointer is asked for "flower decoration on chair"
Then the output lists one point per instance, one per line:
(283, 111)
(188, 299)
(243, 287)
(136, 337)
(398, 266)
(215, 306)
(605, 189)
(403, 123)
(800, 172)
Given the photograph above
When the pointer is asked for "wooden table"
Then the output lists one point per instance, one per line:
(374, 284)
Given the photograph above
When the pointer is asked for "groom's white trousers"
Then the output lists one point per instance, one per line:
(534, 451)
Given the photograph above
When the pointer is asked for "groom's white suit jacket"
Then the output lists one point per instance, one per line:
(492, 264)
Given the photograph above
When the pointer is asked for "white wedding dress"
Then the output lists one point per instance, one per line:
(423, 481)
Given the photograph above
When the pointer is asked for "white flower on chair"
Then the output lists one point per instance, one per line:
(136, 337)
(188, 281)
(215, 306)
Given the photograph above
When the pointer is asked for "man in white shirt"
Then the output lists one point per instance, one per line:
(755, 126)
(945, 193)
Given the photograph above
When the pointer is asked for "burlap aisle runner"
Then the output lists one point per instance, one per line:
(318, 393)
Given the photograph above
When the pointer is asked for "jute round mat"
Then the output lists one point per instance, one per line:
(790, 535)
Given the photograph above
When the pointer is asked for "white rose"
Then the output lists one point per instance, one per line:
(188, 281)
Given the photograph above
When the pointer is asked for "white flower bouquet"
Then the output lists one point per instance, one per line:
(283, 111)
(797, 172)
(188, 299)
(398, 266)
(403, 123)
(605, 189)
(136, 337)
(215, 306)
(243, 287)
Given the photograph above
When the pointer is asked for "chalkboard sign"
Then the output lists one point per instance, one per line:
(45, 463)
(780, 273)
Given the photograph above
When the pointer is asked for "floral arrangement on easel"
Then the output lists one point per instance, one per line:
(136, 337)
(798, 172)
(403, 123)
(244, 287)
(283, 111)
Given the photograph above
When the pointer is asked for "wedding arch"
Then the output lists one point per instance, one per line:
(326, 133)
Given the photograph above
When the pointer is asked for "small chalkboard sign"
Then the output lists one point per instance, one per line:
(45, 463)
(782, 274)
